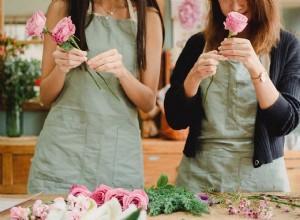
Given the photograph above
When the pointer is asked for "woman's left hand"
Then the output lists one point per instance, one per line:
(241, 49)
(109, 61)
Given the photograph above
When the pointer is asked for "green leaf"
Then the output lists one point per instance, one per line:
(66, 45)
(134, 215)
(163, 180)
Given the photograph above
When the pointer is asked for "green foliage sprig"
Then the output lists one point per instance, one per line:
(166, 199)
(19, 78)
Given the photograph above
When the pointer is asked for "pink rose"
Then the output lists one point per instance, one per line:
(17, 213)
(137, 197)
(118, 193)
(188, 13)
(35, 25)
(235, 22)
(77, 190)
(63, 30)
(99, 194)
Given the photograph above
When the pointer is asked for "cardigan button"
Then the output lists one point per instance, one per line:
(256, 162)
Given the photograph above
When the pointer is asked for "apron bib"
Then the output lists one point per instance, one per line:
(89, 137)
(226, 144)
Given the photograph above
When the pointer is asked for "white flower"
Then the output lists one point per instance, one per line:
(108, 211)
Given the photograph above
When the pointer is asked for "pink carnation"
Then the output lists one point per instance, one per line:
(99, 194)
(63, 30)
(137, 197)
(118, 193)
(189, 13)
(235, 22)
(39, 209)
(76, 190)
(35, 25)
(17, 213)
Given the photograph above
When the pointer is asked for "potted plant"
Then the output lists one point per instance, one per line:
(17, 85)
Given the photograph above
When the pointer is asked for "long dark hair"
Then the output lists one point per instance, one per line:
(263, 28)
(78, 9)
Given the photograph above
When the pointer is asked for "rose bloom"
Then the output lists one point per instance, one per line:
(35, 25)
(63, 30)
(99, 194)
(235, 22)
(137, 197)
(77, 190)
(118, 193)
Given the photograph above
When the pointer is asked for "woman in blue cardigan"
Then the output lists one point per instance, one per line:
(236, 135)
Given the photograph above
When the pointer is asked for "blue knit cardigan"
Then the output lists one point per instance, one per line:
(271, 124)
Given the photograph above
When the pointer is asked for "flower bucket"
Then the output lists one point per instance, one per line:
(14, 119)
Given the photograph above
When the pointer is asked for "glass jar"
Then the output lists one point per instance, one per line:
(14, 119)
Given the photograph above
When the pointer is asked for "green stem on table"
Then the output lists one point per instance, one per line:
(274, 199)
(107, 85)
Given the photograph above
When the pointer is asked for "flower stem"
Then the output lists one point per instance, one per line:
(93, 79)
(212, 78)
(275, 200)
(107, 85)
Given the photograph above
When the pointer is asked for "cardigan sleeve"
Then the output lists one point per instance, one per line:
(283, 116)
(180, 111)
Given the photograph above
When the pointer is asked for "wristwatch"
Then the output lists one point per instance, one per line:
(261, 78)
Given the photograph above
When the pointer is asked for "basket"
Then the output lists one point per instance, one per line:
(169, 133)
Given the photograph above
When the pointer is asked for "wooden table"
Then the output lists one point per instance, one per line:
(217, 212)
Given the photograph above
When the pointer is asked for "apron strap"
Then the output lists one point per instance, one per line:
(131, 13)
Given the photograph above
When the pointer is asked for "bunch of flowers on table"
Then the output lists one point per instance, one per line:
(103, 203)
(62, 34)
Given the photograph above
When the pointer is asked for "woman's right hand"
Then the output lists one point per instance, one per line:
(67, 60)
(206, 65)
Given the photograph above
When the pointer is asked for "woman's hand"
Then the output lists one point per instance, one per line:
(109, 61)
(206, 65)
(67, 60)
(240, 49)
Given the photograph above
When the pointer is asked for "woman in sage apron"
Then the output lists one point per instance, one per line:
(90, 137)
(237, 126)
(226, 141)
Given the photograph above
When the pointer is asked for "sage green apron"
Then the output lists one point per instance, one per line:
(89, 137)
(224, 161)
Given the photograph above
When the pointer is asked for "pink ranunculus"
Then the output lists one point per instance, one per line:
(117, 193)
(36, 24)
(19, 213)
(77, 190)
(99, 194)
(137, 197)
(189, 13)
(235, 22)
(63, 30)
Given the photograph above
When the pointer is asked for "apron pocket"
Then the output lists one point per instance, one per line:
(271, 177)
(59, 152)
(245, 96)
(128, 171)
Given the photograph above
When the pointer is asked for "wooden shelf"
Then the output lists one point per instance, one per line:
(160, 156)
(28, 106)
(15, 160)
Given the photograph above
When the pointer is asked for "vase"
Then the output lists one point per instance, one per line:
(14, 119)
